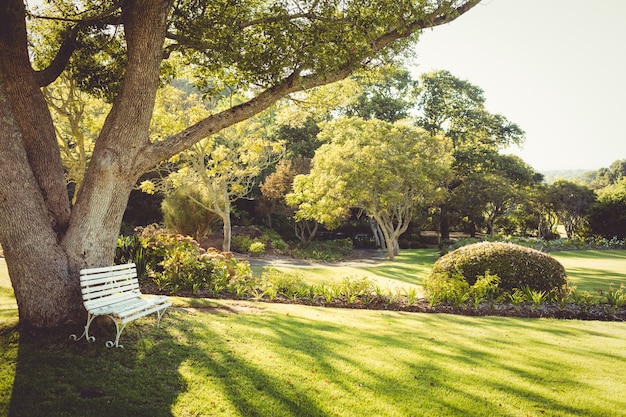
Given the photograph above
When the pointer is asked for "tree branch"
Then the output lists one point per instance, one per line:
(159, 151)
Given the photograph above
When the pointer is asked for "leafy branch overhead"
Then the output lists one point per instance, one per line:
(270, 49)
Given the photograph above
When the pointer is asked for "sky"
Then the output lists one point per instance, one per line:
(556, 68)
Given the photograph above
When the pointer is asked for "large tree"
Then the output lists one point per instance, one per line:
(119, 49)
(385, 169)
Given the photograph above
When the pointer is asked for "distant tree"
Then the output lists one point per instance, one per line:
(223, 168)
(607, 217)
(571, 202)
(386, 94)
(184, 212)
(455, 108)
(383, 169)
(275, 189)
(77, 115)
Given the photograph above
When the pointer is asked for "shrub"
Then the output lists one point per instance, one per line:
(329, 250)
(516, 266)
(257, 247)
(449, 288)
(240, 243)
(132, 249)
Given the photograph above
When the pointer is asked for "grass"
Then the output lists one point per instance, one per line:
(226, 358)
(588, 270)
(594, 269)
(408, 269)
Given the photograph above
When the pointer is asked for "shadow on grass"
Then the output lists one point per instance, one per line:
(594, 270)
(53, 376)
(244, 360)
(410, 266)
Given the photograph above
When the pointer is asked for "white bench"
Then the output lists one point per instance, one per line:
(114, 291)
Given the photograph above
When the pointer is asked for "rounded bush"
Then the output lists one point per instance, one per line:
(516, 266)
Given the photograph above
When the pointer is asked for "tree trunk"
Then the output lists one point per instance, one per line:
(38, 266)
(227, 229)
(444, 223)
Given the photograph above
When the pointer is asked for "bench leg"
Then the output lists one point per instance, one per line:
(119, 328)
(85, 334)
(160, 314)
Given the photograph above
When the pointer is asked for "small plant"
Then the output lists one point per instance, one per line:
(517, 297)
(355, 288)
(411, 295)
(535, 296)
(615, 298)
(257, 247)
(563, 295)
(485, 288)
(585, 299)
(445, 287)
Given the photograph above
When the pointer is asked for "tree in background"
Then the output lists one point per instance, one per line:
(571, 203)
(496, 186)
(607, 217)
(222, 169)
(386, 170)
(275, 189)
(76, 115)
(385, 94)
(184, 212)
(455, 108)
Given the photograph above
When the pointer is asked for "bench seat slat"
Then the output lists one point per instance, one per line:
(96, 303)
(90, 271)
(122, 308)
(143, 312)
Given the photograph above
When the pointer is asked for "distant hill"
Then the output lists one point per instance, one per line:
(566, 174)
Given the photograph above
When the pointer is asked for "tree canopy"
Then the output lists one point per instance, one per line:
(387, 170)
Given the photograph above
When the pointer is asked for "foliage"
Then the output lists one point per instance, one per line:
(257, 247)
(555, 245)
(444, 287)
(571, 202)
(452, 288)
(607, 217)
(176, 263)
(222, 169)
(327, 250)
(516, 266)
(383, 169)
(246, 236)
(183, 212)
(455, 109)
(132, 249)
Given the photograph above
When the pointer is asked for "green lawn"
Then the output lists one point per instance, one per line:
(588, 270)
(594, 269)
(408, 269)
(226, 358)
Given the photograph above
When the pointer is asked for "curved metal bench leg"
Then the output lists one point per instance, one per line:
(119, 327)
(160, 314)
(85, 334)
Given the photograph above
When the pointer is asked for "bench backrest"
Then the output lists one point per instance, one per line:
(108, 285)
